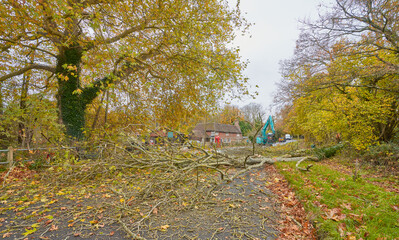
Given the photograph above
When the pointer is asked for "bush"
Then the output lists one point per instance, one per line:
(382, 153)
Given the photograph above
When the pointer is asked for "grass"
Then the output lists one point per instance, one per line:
(342, 208)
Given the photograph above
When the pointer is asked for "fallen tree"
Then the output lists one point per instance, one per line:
(299, 160)
(141, 179)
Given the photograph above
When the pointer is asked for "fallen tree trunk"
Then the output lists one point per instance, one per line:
(258, 160)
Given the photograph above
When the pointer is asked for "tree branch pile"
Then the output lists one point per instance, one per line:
(147, 179)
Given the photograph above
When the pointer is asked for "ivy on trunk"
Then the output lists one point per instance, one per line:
(72, 98)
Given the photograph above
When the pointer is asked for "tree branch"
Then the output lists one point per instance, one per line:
(27, 68)
(128, 68)
(27, 46)
(118, 37)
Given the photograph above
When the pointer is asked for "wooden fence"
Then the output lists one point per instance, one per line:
(10, 153)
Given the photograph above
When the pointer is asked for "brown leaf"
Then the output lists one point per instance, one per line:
(7, 235)
(347, 206)
(112, 233)
(335, 214)
(358, 218)
(155, 211)
(53, 227)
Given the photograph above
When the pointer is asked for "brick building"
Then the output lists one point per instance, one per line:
(208, 131)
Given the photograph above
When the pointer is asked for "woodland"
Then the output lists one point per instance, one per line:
(85, 84)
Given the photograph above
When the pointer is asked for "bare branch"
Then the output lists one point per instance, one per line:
(27, 46)
(118, 37)
(27, 68)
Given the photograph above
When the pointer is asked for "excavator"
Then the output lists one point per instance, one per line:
(267, 138)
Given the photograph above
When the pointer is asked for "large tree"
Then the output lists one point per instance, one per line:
(170, 51)
(344, 78)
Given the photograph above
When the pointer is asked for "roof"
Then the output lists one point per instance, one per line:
(217, 127)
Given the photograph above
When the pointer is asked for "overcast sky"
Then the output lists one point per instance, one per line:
(272, 39)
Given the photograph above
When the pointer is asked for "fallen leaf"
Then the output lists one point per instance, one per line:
(335, 214)
(29, 231)
(164, 227)
(53, 228)
(347, 206)
(7, 235)
(358, 218)
(155, 211)
(112, 233)
(94, 222)
(49, 221)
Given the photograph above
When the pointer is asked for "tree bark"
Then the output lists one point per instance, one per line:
(3, 137)
(72, 98)
(1, 98)
(22, 129)
(72, 108)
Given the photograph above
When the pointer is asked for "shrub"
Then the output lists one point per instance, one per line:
(382, 153)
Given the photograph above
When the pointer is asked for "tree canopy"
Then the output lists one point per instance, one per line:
(163, 60)
(343, 79)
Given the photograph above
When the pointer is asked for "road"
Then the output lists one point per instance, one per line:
(282, 143)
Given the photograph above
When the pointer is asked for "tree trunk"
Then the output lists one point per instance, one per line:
(97, 115)
(71, 105)
(106, 108)
(386, 131)
(72, 98)
(3, 137)
(1, 99)
(22, 130)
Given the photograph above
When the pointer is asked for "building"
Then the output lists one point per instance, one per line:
(163, 136)
(208, 131)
